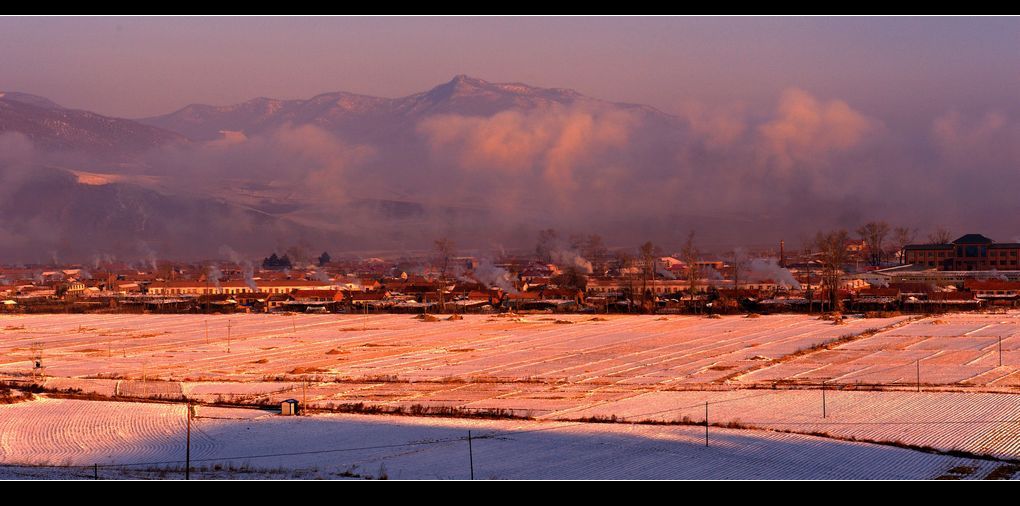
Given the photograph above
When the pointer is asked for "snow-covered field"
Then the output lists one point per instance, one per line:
(978, 423)
(239, 443)
(633, 367)
(951, 349)
(620, 351)
(530, 364)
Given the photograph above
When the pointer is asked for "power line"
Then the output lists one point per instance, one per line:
(291, 454)
(920, 422)
(701, 404)
(243, 457)
(500, 434)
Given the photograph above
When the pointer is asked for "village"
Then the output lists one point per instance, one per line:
(509, 248)
(577, 276)
(833, 354)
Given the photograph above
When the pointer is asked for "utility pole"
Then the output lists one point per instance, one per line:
(654, 304)
(823, 399)
(706, 424)
(187, 453)
(810, 294)
(471, 456)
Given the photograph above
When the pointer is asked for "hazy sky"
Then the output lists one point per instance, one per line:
(784, 126)
(888, 67)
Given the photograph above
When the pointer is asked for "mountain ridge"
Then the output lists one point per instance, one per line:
(336, 110)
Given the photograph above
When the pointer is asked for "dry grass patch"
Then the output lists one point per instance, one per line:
(306, 370)
(1003, 472)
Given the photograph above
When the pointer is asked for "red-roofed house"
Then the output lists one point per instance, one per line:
(993, 289)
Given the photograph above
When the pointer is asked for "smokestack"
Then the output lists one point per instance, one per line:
(782, 253)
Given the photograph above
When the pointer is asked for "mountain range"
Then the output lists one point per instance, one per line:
(56, 129)
(362, 118)
(487, 164)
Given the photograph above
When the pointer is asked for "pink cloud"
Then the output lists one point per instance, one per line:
(993, 138)
(718, 127)
(313, 159)
(807, 130)
(553, 144)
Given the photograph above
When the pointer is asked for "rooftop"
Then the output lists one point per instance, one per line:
(973, 239)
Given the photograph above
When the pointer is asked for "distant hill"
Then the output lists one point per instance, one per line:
(361, 117)
(53, 128)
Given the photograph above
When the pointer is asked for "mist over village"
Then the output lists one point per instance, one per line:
(525, 248)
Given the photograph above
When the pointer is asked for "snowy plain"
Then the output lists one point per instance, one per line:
(755, 373)
(144, 440)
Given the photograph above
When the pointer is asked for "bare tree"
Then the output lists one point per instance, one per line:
(298, 253)
(738, 263)
(624, 262)
(833, 255)
(691, 257)
(576, 241)
(873, 234)
(808, 252)
(571, 277)
(546, 244)
(595, 251)
(444, 256)
(646, 253)
(901, 237)
(940, 235)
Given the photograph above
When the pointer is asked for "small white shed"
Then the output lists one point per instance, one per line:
(289, 407)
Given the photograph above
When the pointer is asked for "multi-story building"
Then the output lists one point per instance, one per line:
(235, 287)
(972, 252)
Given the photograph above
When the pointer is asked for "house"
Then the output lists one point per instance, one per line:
(194, 287)
(857, 246)
(361, 299)
(970, 252)
(994, 289)
(75, 288)
(311, 301)
(309, 296)
(577, 296)
(944, 300)
(658, 287)
(877, 299)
